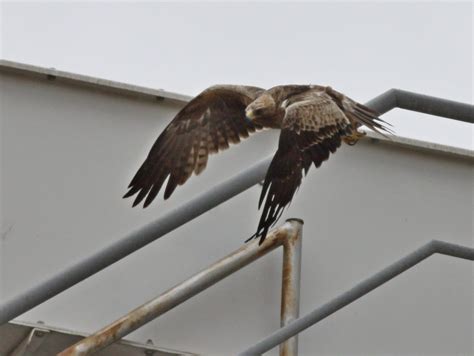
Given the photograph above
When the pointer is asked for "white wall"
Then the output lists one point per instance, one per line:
(69, 153)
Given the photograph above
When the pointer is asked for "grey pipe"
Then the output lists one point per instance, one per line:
(434, 106)
(358, 291)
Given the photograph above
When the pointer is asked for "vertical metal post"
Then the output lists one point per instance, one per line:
(290, 287)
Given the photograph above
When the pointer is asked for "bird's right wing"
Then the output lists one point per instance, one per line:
(312, 129)
(207, 124)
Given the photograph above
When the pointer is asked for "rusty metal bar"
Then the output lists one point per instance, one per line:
(358, 291)
(289, 235)
(139, 238)
(290, 288)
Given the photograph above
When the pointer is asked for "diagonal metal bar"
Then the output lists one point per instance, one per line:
(137, 239)
(289, 235)
(132, 242)
(358, 291)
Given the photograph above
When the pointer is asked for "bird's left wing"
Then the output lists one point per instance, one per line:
(312, 129)
(207, 124)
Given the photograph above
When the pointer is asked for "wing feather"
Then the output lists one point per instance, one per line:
(207, 124)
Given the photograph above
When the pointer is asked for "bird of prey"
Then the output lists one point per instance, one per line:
(313, 120)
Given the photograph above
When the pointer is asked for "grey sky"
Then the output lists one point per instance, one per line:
(361, 49)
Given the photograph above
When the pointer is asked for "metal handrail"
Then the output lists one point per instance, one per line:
(289, 235)
(403, 99)
(137, 239)
(359, 290)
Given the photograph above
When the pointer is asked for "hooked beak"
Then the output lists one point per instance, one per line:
(249, 115)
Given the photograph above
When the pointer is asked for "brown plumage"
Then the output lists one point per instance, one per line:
(313, 120)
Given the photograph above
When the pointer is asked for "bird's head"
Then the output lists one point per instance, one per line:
(263, 106)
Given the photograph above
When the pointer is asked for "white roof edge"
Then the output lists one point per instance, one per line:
(420, 145)
(11, 66)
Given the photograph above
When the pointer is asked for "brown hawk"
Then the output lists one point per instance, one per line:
(313, 121)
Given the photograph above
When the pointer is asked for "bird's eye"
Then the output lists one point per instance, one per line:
(258, 111)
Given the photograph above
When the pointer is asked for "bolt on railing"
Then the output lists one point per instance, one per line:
(289, 235)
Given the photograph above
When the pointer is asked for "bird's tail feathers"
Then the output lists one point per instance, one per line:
(370, 118)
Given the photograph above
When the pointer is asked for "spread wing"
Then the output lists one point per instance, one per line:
(312, 129)
(207, 124)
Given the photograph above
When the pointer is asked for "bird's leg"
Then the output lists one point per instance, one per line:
(354, 137)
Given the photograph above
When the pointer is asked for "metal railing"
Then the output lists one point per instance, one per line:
(289, 235)
(139, 238)
(397, 98)
(358, 291)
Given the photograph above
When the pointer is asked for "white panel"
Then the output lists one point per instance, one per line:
(69, 154)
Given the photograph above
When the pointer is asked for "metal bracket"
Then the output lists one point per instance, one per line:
(31, 343)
